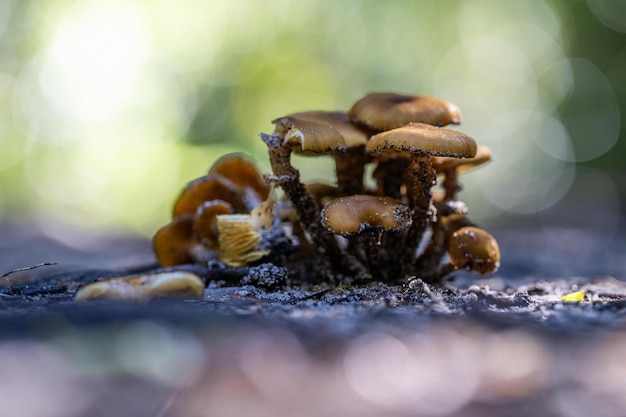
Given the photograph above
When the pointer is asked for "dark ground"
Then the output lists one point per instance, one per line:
(502, 346)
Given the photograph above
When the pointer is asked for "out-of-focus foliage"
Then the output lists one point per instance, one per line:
(110, 106)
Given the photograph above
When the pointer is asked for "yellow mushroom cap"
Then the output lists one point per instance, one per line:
(385, 111)
(351, 215)
(144, 287)
(309, 137)
(443, 163)
(353, 135)
(206, 188)
(422, 139)
(474, 249)
(242, 172)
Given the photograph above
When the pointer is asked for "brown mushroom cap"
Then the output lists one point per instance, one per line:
(353, 135)
(474, 249)
(308, 137)
(422, 139)
(443, 164)
(144, 287)
(385, 111)
(206, 188)
(351, 215)
(242, 172)
(172, 243)
(205, 221)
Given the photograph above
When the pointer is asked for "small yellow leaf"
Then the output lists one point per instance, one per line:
(573, 297)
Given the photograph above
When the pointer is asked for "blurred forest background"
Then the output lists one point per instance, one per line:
(109, 107)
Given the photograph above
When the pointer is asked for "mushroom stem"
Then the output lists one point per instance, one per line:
(350, 169)
(305, 206)
(389, 175)
(423, 177)
(451, 184)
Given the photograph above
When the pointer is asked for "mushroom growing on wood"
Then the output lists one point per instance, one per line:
(420, 142)
(386, 111)
(242, 172)
(366, 217)
(474, 250)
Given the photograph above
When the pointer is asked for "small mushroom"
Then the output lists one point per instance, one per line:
(242, 172)
(179, 284)
(207, 188)
(350, 165)
(173, 242)
(451, 167)
(366, 217)
(420, 142)
(386, 111)
(241, 236)
(472, 249)
(205, 221)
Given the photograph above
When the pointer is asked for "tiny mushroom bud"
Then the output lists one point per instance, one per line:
(178, 284)
(386, 111)
(473, 249)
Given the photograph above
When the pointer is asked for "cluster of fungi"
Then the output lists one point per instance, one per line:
(400, 223)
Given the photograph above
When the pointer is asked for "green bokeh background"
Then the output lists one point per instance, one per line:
(110, 106)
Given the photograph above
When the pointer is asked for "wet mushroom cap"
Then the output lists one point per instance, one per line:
(473, 249)
(443, 164)
(242, 172)
(338, 120)
(309, 138)
(172, 243)
(422, 139)
(347, 216)
(207, 188)
(386, 111)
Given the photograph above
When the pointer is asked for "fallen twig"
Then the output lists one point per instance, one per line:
(27, 268)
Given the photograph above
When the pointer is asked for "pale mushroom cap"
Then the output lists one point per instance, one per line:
(309, 137)
(422, 139)
(144, 287)
(474, 249)
(242, 172)
(351, 215)
(353, 135)
(385, 111)
(442, 163)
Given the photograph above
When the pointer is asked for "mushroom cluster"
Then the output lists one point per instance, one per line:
(402, 222)
(226, 215)
(355, 230)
